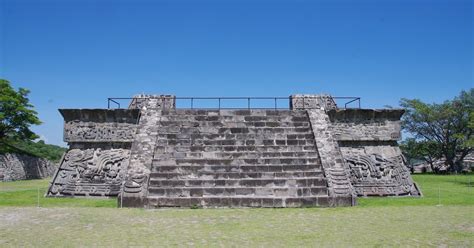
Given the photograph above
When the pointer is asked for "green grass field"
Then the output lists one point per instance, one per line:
(443, 217)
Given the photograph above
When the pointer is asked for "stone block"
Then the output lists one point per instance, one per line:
(312, 102)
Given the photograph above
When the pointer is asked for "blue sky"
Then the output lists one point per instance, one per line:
(75, 54)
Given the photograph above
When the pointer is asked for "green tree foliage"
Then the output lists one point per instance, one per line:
(16, 117)
(16, 114)
(440, 130)
(421, 150)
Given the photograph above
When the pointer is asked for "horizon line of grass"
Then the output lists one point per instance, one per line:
(436, 189)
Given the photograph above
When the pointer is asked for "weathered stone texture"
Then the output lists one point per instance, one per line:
(135, 189)
(97, 161)
(153, 155)
(98, 125)
(331, 157)
(238, 158)
(301, 101)
(90, 172)
(78, 131)
(153, 101)
(365, 124)
(378, 169)
(21, 166)
(101, 115)
(143, 147)
(367, 139)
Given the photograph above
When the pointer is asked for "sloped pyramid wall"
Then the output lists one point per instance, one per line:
(154, 155)
(99, 149)
(237, 158)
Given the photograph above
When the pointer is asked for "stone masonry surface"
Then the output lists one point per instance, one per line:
(21, 166)
(99, 150)
(331, 157)
(153, 155)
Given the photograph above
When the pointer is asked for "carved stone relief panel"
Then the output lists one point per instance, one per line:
(78, 131)
(312, 102)
(378, 170)
(153, 101)
(369, 130)
(98, 172)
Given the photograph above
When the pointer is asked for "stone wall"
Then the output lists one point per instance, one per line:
(101, 142)
(359, 145)
(21, 166)
(368, 141)
(302, 101)
(91, 172)
(99, 125)
(153, 101)
(335, 169)
(365, 124)
(136, 182)
(112, 152)
(99, 150)
(378, 169)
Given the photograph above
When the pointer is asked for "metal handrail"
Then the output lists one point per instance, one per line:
(112, 100)
(355, 99)
(219, 100)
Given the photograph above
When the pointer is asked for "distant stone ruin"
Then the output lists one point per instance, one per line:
(15, 166)
(156, 155)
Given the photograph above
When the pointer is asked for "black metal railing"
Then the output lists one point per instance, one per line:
(243, 102)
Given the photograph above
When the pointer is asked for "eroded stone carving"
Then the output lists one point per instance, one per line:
(77, 131)
(379, 173)
(312, 102)
(114, 150)
(381, 130)
(331, 158)
(91, 172)
(143, 147)
(153, 101)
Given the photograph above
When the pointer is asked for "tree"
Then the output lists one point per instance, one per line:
(16, 114)
(441, 130)
(428, 151)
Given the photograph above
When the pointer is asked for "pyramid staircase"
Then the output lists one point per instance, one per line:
(237, 158)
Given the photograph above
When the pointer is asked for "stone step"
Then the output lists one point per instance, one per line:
(234, 118)
(209, 175)
(235, 155)
(233, 130)
(229, 112)
(236, 191)
(251, 142)
(246, 201)
(192, 169)
(244, 182)
(247, 136)
(250, 147)
(237, 161)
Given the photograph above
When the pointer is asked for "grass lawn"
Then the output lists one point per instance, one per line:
(25, 194)
(443, 217)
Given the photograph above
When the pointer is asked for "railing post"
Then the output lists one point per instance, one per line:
(219, 103)
(248, 102)
(108, 103)
(359, 101)
(275, 103)
(192, 103)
